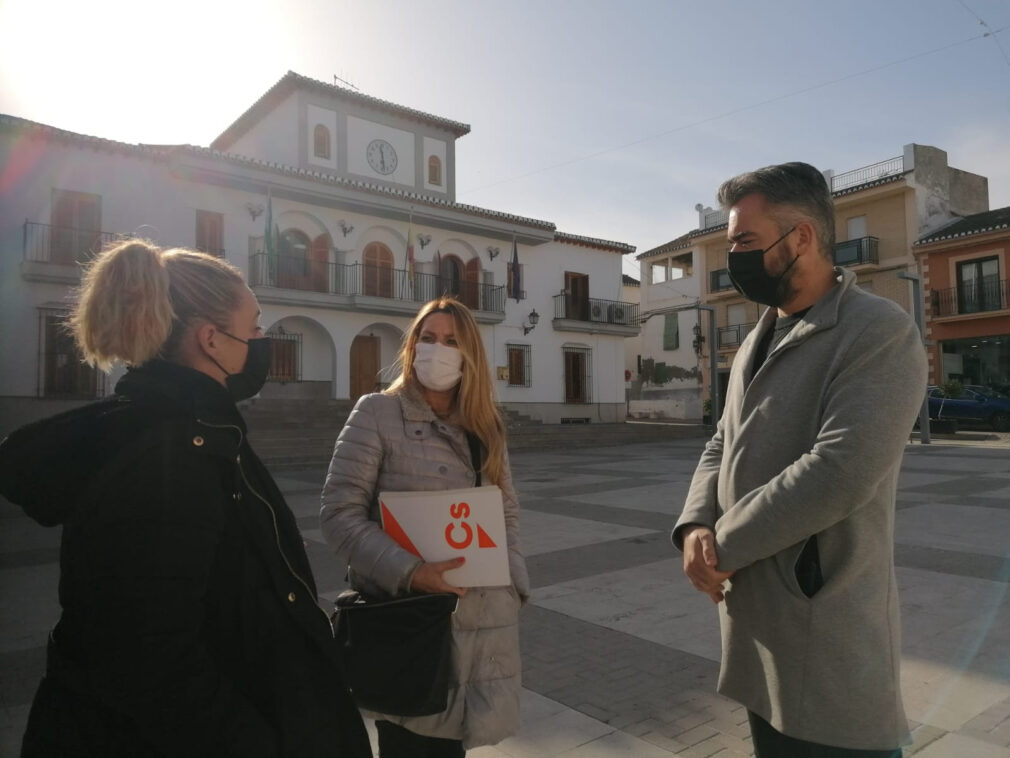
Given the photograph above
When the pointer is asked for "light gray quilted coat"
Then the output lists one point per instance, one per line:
(394, 442)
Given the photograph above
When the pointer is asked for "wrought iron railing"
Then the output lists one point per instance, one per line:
(981, 297)
(346, 279)
(734, 334)
(869, 173)
(856, 252)
(718, 280)
(63, 245)
(575, 308)
(715, 218)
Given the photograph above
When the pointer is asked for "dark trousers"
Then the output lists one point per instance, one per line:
(771, 743)
(397, 742)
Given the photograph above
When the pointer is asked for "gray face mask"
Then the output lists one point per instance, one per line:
(748, 274)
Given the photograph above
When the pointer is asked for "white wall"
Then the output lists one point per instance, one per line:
(165, 211)
(275, 137)
(361, 132)
(676, 398)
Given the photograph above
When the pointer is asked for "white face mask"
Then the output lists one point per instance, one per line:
(438, 367)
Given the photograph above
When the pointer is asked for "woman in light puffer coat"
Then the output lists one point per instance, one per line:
(413, 436)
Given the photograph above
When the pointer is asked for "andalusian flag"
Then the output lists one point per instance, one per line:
(517, 280)
(270, 240)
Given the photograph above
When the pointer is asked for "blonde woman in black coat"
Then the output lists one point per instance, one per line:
(189, 621)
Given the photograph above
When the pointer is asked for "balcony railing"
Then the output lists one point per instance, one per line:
(992, 295)
(868, 173)
(734, 334)
(715, 218)
(718, 280)
(63, 245)
(355, 279)
(856, 252)
(593, 309)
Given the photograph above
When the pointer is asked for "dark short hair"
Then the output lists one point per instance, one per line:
(798, 189)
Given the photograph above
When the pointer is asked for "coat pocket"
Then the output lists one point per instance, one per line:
(807, 568)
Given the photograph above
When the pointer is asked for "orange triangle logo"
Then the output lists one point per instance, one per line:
(483, 538)
(392, 527)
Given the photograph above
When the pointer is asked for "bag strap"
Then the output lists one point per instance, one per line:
(474, 453)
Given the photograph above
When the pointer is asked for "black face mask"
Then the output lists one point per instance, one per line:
(747, 273)
(253, 375)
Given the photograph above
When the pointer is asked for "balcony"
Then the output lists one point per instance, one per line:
(856, 252)
(355, 286)
(595, 316)
(718, 280)
(866, 174)
(968, 299)
(730, 337)
(54, 253)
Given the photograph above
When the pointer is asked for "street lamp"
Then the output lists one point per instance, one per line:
(699, 341)
(533, 319)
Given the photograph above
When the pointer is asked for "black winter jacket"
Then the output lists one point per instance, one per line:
(189, 621)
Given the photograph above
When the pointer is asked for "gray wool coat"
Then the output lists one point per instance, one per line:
(394, 442)
(811, 445)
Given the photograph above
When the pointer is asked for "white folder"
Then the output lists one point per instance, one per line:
(444, 524)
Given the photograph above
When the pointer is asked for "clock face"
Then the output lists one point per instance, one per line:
(381, 156)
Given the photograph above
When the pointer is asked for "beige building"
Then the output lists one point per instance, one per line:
(880, 212)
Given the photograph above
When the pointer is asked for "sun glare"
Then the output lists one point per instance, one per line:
(137, 72)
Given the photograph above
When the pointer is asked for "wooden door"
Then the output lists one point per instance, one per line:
(576, 296)
(471, 284)
(364, 365)
(319, 264)
(575, 376)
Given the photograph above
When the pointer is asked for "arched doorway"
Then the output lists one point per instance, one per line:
(373, 359)
(364, 365)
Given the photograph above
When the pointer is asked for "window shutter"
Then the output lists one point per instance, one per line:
(671, 332)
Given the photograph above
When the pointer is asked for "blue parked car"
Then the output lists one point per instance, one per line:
(976, 403)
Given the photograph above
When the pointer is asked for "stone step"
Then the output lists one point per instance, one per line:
(316, 450)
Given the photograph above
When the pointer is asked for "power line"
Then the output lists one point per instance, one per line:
(989, 32)
(742, 109)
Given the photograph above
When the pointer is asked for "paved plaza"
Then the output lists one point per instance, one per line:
(620, 654)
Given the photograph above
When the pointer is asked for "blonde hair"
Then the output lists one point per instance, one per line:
(136, 301)
(475, 399)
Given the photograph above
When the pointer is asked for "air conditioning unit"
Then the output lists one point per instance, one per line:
(597, 312)
(618, 314)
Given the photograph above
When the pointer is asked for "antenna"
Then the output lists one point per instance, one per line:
(343, 81)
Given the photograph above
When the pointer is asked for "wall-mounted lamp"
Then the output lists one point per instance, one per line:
(533, 319)
(699, 342)
(345, 227)
(492, 252)
(255, 209)
(423, 240)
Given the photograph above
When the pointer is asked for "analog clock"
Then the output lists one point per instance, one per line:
(381, 156)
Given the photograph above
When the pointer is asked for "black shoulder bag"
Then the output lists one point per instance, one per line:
(396, 653)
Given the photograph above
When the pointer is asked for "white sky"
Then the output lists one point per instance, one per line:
(610, 119)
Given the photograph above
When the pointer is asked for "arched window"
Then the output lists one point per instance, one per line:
(434, 170)
(321, 142)
(377, 270)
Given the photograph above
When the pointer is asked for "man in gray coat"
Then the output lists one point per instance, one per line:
(789, 521)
